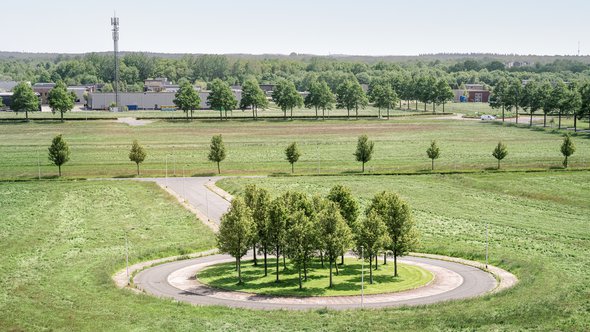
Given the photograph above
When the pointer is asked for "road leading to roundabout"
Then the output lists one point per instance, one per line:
(453, 278)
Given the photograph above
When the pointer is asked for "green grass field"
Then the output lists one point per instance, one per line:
(347, 282)
(100, 148)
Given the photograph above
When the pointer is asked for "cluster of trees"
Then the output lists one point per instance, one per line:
(550, 97)
(567, 149)
(301, 228)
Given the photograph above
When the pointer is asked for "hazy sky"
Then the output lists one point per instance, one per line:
(371, 27)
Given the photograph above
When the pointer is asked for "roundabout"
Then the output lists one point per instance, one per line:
(453, 280)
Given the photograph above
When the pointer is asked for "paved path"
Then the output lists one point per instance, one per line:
(177, 280)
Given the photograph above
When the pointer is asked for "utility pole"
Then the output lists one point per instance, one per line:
(115, 24)
(486, 244)
(127, 258)
(362, 277)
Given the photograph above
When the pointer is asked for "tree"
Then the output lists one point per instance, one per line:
(444, 93)
(364, 150)
(572, 104)
(585, 101)
(433, 152)
(277, 228)
(513, 96)
(497, 98)
(320, 97)
(397, 216)
(500, 152)
(258, 200)
(187, 99)
(533, 99)
(382, 95)
(59, 152)
(285, 95)
(334, 233)
(24, 99)
(567, 148)
(350, 95)
(348, 205)
(293, 154)
(253, 97)
(137, 154)
(221, 98)
(217, 151)
(300, 241)
(60, 99)
(370, 238)
(235, 231)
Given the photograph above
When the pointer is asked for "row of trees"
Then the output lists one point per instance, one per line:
(550, 97)
(301, 228)
(59, 152)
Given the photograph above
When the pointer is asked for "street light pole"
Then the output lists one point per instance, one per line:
(207, 198)
(127, 257)
(166, 171)
(486, 244)
(362, 277)
(38, 164)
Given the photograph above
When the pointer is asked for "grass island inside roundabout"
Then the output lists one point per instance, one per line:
(347, 282)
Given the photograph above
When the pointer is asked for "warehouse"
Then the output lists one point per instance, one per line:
(144, 100)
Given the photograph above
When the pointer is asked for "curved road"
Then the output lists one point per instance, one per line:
(156, 281)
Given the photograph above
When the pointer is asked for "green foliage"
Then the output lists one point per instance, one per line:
(277, 228)
(253, 97)
(500, 152)
(320, 97)
(59, 152)
(235, 232)
(221, 97)
(433, 152)
(187, 99)
(348, 205)
(60, 100)
(217, 151)
(350, 95)
(567, 148)
(300, 242)
(137, 154)
(285, 95)
(364, 150)
(292, 153)
(397, 216)
(370, 238)
(258, 200)
(334, 234)
(382, 95)
(24, 99)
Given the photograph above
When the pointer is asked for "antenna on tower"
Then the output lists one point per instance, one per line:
(115, 24)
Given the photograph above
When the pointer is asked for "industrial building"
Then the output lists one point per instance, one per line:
(144, 100)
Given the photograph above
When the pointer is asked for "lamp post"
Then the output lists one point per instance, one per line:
(166, 171)
(207, 198)
(127, 258)
(362, 277)
(486, 244)
(38, 164)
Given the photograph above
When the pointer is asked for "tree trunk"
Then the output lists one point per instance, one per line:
(265, 264)
(300, 284)
(336, 265)
(253, 113)
(254, 254)
(385, 258)
(221, 115)
(498, 163)
(27, 115)
(59, 169)
(502, 113)
(322, 258)
(323, 114)
(544, 119)
(565, 162)
(348, 111)
(432, 167)
(137, 164)
(62, 116)
(376, 261)
(444, 106)
(424, 106)
(433, 108)
(277, 280)
(239, 271)
(285, 114)
(363, 168)
(395, 263)
(559, 126)
(379, 116)
(191, 114)
(575, 123)
(371, 269)
(531, 121)
(516, 114)
(284, 262)
(331, 273)
(218, 169)
(342, 260)
(291, 113)
(292, 168)
(316, 113)
(388, 113)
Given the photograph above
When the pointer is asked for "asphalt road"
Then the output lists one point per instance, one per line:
(154, 281)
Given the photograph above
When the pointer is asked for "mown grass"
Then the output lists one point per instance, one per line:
(347, 282)
(100, 148)
(538, 226)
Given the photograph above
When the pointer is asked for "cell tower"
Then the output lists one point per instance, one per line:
(115, 24)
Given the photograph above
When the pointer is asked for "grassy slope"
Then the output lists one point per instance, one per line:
(101, 148)
(539, 230)
(348, 282)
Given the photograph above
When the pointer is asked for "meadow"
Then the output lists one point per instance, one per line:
(100, 148)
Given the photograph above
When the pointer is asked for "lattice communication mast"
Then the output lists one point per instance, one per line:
(115, 24)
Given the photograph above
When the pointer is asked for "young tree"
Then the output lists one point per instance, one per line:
(497, 98)
(350, 95)
(285, 95)
(500, 152)
(513, 96)
(349, 206)
(277, 228)
(253, 97)
(221, 97)
(382, 95)
(24, 99)
(187, 99)
(59, 152)
(137, 154)
(292, 153)
(585, 101)
(444, 93)
(300, 241)
(571, 105)
(320, 97)
(217, 151)
(557, 100)
(258, 200)
(567, 148)
(433, 152)
(235, 232)
(60, 99)
(334, 234)
(371, 236)
(397, 216)
(364, 150)
(532, 99)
